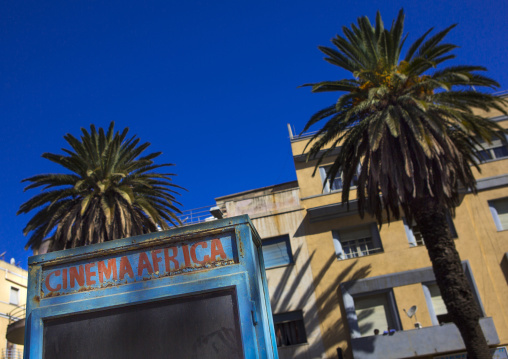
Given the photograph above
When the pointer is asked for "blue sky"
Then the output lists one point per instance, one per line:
(212, 84)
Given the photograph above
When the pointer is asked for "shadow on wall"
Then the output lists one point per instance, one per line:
(328, 301)
(504, 266)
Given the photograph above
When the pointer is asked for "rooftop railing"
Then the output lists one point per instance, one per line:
(196, 215)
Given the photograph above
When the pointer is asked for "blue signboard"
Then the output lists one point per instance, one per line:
(193, 292)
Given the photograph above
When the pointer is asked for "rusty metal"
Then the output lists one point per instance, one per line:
(213, 262)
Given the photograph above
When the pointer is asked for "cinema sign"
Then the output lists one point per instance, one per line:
(193, 292)
(138, 266)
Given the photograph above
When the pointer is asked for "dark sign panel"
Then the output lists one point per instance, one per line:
(192, 327)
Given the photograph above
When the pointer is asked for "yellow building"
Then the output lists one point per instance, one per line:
(357, 291)
(368, 278)
(13, 282)
(276, 213)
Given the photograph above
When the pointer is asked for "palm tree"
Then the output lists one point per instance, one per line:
(108, 192)
(411, 129)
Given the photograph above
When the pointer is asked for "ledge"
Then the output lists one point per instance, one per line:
(338, 210)
(335, 210)
(418, 342)
(303, 157)
(492, 182)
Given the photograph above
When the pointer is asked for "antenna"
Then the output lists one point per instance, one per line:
(290, 131)
(412, 312)
(2, 256)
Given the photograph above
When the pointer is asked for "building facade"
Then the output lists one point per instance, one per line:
(277, 214)
(13, 281)
(341, 286)
(360, 291)
(371, 277)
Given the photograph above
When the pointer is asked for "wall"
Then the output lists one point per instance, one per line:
(276, 211)
(10, 276)
(478, 242)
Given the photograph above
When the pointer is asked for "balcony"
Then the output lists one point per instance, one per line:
(418, 342)
(16, 328)
(12, 354)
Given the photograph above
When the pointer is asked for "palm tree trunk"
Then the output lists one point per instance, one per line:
(455, 289)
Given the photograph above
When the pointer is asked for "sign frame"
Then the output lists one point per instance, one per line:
(246, 274)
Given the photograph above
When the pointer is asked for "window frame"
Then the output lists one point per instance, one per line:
(274, 240)
(411, 238)
(376, 241)
(430, 304)
(12, 291)
(486, 147)
(495, 214)
(327, 183)
(290, 317)
(387, 282)
(392, 311)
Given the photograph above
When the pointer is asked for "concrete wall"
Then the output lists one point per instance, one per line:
(478, 242)
(276, 211)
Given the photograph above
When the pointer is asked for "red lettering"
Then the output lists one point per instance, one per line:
(206, 258)
(107, 270)
(168, 258)
(64, 277)
(186, 257)
(156, 259)
(125, 268)
(216, 249)
(89, 274)
(143, 264)
(57, 274)
(77, 275)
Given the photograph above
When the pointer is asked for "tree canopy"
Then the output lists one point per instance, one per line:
(110, 190)
(409, 125)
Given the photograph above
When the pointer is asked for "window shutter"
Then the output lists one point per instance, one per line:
(409, 233)
(338, 247)
(14, 299)
(502, 212)
(322, 173)
(372, 313)
(355, 233)
(437, 300)
(277, 252)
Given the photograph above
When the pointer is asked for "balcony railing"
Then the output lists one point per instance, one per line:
(418, 342)
(12, 354)
(17, 313)
(16, 328)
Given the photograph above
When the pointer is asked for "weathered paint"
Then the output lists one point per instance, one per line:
(172, 259)
(225, 268)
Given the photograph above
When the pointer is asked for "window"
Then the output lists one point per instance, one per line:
(357, 241)
(289, 328)
(335, 184)
(437, 308)
(374, 312)
(14, 296)
(415, 237)
(497, 149)
(277, 251)
(499, 210)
